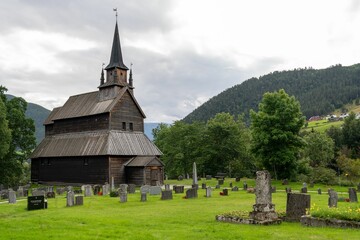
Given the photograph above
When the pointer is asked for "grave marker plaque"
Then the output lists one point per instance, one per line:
(36, 202)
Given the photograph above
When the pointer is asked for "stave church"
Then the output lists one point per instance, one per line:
(98, 137)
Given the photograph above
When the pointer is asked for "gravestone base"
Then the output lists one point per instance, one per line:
(263, 212)
(237, 220)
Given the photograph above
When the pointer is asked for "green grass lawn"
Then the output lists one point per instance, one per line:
(103, 217)
(322, 125)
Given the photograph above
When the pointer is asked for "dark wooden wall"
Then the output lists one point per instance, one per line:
(126, 111)
(71, 170)
(135, 175)
(81, 124)
(117, 169)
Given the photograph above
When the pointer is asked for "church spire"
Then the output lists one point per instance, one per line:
(116, 59)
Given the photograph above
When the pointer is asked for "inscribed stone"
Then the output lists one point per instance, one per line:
(131, 188)
(191, 193)
(208, 192)
(155, 190)
(145, 189)
(12, 196)
(296, 206)
(353, 195)
(166, 195)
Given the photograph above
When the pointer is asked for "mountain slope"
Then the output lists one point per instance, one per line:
(318, 91)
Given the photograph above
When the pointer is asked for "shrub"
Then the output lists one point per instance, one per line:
(324, 175)
(349, 213)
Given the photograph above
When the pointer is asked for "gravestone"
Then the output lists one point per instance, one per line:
(145, 189)
(178, 189)
(303, 190)
(203, 186)
(319, 191)
(38, 193)
(123, 193)
(245, 186)
(273, 189)
(97, 189)
(296, 206)
(50, 189)
(288, 189)
(70, 198)
(285, 182)
(225, 192)
(180, 178)
(105, 190)
(208, 192)
(333, 198)
(231, 185)
(194, 176)
(143, 197)
(155, 190)
(166, 195)
(191, 193)
(304, 184)
(50, 194)
(123, 188)
(264, 209)
(112, 184)
(217, 186)
(68, 188)
(60, 190)
(36, 202)
(208, 177)
(221, 181)
(131, 188)
(237, 179)
(79, 200)
(12, 196)
(352, 195)
(87, 191)
(20, 192)
(167, 187)
(235, 189)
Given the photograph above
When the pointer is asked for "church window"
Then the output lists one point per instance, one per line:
(131, 126)
(124, 126)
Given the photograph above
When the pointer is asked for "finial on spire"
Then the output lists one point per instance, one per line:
(102, 78)
(130, 77)
(115, 10)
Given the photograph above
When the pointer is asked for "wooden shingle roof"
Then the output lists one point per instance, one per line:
(96, 143)
(144, 161)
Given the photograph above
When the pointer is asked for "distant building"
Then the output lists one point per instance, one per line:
(99, 136)
(315, 118)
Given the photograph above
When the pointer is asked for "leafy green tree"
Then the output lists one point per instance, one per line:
(22, 140)
(5, 133)
(275, 132)
(319, 149)
(351, 134)
(225, 145)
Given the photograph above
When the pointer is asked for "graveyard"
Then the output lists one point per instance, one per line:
(130, 216)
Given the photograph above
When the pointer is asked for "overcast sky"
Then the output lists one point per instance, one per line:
(183, 51)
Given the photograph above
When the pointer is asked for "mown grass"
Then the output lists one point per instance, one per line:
(321, 125)
(102, 217)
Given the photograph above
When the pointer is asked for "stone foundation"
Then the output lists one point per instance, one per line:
(320, 222)
(238, 220)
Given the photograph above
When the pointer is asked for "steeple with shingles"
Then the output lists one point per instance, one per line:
(116, 59)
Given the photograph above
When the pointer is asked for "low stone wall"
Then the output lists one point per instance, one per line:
(320, 222)
(238, 220)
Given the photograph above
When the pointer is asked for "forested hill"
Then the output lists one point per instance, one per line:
(318, 91)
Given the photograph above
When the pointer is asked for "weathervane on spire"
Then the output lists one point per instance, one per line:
(115, 9)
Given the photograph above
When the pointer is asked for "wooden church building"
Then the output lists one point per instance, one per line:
(99, 136)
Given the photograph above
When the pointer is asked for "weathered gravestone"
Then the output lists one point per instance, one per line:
(36, 202)
(145, 189)
(319, 191)
(217, 186)
(225, 192)
(333, 198)
(60, 190)
(245, 186)
(131, 188)
(49, 189)
(155, 190)
(203, 186)
(220, 181)
(208, 192)
(178, 189)
(12, 196)
(143, 197)
(105, 190)
(288, 189)
(296, 206)
(235, 189)
(97, 189)
(70, 199)
(231, 185)
(38, 193)
(303, 190)
(352, 195)
(4, 194)
(123, 193)
(191, 193)
(285, 182)
(208, 177)
(180, 178)
(187, 176)
(87, 191)
(167, 187)
(79, 200)
(237, 179)
(50, 194)
(166, 195)
(264, 209)
(194, 176)
(20, 191)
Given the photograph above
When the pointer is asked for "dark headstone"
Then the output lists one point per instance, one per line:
(235, 189)
(237, 179)
(50, 194)
(352, 195)
(285, 182)
(333, 198)
(217, 186)
(319, 191)
(166, 195)
(221, 181)
(288, 189)
(296, 206)
(143, 197)
(245, 186)
(79, 200)
(191, 193)
(203, 186)
(303, 190)
(60, 190)
(97, 189)
(131, 188)
(230, 184)
(178, 189)
(4, 194)
(208, 177)
(36, 202)
(225, 192)
(180, 178)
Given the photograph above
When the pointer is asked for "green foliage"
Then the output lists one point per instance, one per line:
(348, 213)
(5, 133)
(351, 134)
(323, 175)
(275, 132)
(319, 149)
(318, 91)
(349, 167)
(22, 140)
